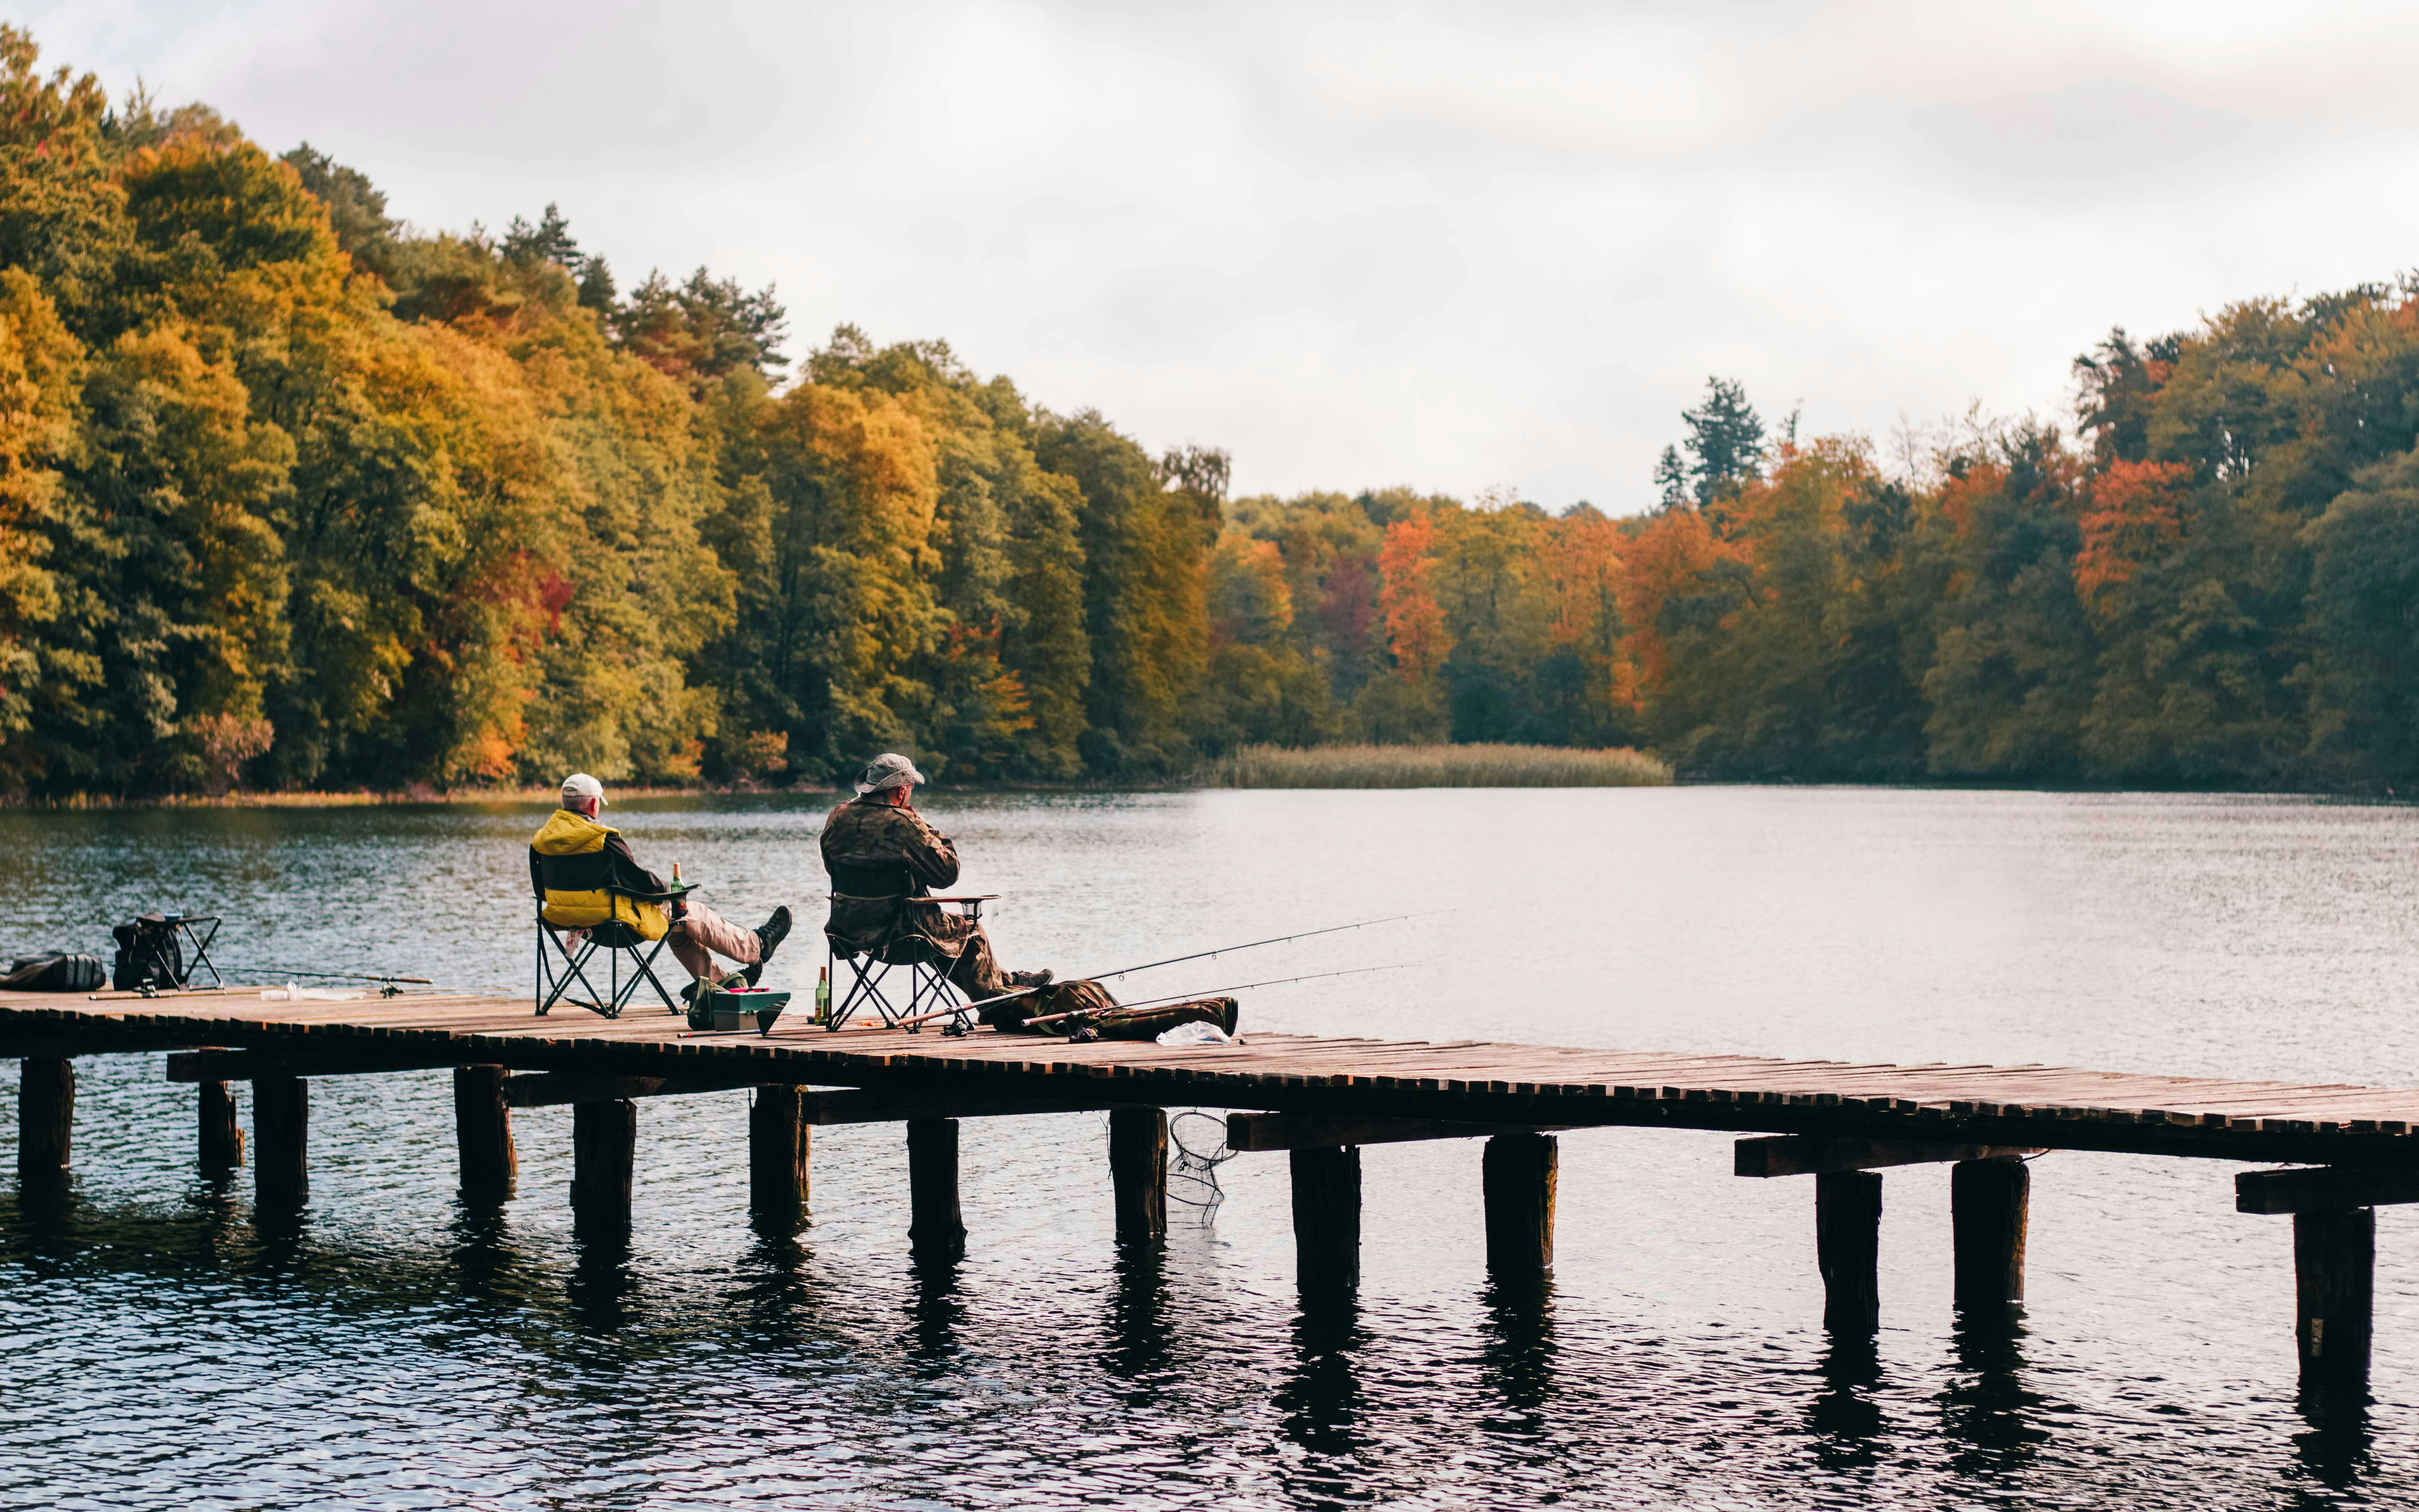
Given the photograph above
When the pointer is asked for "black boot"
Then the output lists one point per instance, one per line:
(768, 939)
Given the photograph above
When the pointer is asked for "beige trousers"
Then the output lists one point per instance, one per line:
(700, 929)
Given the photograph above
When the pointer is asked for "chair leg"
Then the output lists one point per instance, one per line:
(873, 978)
(644, 965)
(558, 985)
(849, 1005)
(576, 969)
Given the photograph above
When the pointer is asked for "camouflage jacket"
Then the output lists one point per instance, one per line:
(880, 859)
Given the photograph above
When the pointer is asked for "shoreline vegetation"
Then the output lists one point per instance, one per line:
(1433, 766)
(1252, 767)
(299, 498)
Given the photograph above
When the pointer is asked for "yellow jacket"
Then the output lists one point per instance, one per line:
(571, 860)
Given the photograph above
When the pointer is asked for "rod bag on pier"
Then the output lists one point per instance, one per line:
(53, 973)
(1102, 1016)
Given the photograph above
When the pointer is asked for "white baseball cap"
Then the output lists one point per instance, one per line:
(581, 785)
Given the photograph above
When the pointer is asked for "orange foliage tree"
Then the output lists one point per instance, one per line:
(2135, 516)
(1415, 629)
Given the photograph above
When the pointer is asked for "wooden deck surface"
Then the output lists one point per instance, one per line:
(1470, 1081)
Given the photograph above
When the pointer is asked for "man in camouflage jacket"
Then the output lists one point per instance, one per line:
(882, 855)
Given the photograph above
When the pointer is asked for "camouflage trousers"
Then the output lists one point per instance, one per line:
(976, 971)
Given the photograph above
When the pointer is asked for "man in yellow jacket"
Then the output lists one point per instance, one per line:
(573, 857)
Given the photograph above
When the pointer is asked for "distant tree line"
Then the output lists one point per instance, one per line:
(295, 495)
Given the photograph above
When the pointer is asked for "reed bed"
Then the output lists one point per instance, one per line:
(1434, 766)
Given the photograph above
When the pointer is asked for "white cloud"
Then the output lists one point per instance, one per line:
(1443, 245)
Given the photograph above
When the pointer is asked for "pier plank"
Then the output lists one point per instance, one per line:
(1459, 1082)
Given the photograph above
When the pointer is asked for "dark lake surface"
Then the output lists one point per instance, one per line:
(392, 1350)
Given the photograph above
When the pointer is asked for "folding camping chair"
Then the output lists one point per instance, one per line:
(928, 987)
(153, 952)
(568, 968)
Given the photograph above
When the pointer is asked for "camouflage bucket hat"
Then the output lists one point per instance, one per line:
(887, 770)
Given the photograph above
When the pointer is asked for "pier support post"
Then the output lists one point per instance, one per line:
(483, 1134)
(45, 1125)
(1138, 1171)
(1847, 1247)
(604, 1152)
(2334, 1269)
(779, 1149)
(1517, 1176)
(280, 1136)
(1987, 1216)
(936, 1227)
(222, 1137)
(1327, 1222)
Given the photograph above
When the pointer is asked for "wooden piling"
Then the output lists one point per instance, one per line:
(222, 1137)
(483, 1134)
(2334, 1269)
(604, 1153)
(281, 1141)
(936, 1227)
(1517, 1177)
(1327, 1222)
(1847, 1247)
(1138, 1171)
(779, 1150)
(1988, 1211)
(45, 1125)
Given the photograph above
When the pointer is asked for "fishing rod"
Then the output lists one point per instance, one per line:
(1106, 1013)
(347, 975)
(1125, 971)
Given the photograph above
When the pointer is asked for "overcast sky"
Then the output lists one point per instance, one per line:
(1501, 245)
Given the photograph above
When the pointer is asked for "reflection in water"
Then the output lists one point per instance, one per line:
(603, 1282)
(1321, 1402)
(482, 1256)
(1986, 1406)
(1845, 1417)
(1140, 1340)
(2338, 1449)
(1519, 1349)
(936, 1310)
(43, 1230)
(213, 1220)
(278, 1236)
(781, 1293)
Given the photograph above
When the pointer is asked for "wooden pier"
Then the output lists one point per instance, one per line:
(2347, 1149)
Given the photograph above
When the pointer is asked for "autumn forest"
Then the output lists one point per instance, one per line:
(293, 495)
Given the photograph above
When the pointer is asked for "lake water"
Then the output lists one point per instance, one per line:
(392, 1350)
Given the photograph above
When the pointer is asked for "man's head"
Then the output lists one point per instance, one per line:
(889, 777)
(582, 794)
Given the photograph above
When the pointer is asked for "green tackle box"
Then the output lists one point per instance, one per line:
(738, 1007)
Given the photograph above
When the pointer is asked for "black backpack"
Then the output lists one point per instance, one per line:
(148, 955)
(53, 973)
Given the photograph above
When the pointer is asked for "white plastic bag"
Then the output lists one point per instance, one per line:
(1197, 1034)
